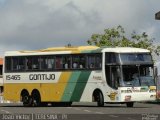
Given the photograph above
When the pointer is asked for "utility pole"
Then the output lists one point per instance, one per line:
(157, 16)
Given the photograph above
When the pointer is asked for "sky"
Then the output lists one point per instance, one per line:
(38, 24)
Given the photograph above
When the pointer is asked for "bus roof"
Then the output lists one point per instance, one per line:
(53, 50)
(125, 50)
(79, 49)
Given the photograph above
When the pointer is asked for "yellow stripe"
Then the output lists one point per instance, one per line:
(54, 92)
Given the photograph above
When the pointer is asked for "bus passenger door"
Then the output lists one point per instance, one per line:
(112, 76)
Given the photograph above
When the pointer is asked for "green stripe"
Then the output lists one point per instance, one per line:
(86, 51)
(80, 85)
(99, 50)
(92, 51)
(70, 86)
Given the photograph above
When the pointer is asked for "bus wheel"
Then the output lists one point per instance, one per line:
(100, 99)
(36, 99)
(130, 104)
(27, 100)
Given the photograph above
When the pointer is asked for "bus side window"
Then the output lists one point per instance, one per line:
(82, 63)
(78, 61)
(98, 61)
(29, 63)
(21, 63)
(43, 63)
(59, 62)
(35, 63)
(8, 64)
(47, 62)
(91, 61)
(75, 61)
(66, 62)
(50, 63)
(15, 63)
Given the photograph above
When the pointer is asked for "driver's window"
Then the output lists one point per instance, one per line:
(112, 76)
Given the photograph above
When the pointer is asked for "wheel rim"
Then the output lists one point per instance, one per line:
(26, 99)
(36, 100)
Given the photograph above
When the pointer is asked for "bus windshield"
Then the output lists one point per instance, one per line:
(135, 57)
(137, 75)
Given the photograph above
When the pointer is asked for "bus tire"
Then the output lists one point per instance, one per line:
(36, 99)
(129, 104)
(100, 100)
(26, 100)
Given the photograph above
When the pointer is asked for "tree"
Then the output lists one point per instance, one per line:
(116, 37)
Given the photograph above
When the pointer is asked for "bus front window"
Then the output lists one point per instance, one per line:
(136, 75)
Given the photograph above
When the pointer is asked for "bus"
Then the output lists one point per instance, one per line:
(62, 75)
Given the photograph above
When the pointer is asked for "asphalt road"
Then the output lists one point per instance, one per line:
(81, 111)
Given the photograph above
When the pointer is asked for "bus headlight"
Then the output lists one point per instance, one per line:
(152, 87)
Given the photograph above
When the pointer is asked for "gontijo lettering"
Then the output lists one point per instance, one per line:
(42, 77)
